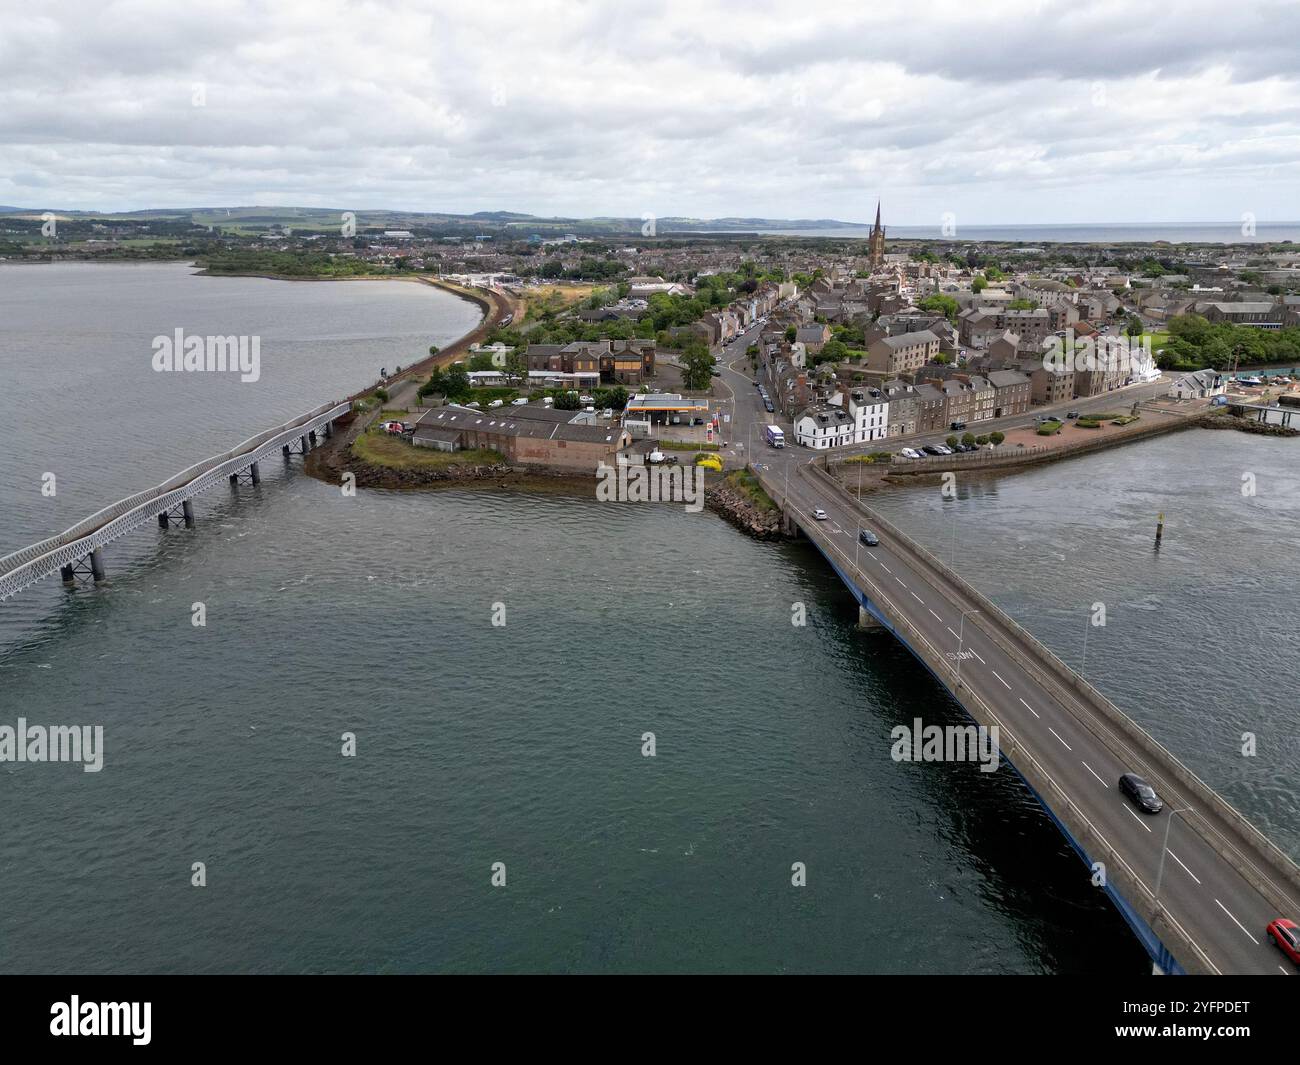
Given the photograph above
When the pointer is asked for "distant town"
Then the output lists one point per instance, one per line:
(850, 342)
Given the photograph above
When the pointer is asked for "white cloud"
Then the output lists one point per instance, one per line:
(998, 112)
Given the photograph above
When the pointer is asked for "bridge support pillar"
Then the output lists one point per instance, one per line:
(163, 520)
(255, 473)
(312, 434)
(234, 480)
(305, 446)
(328, 429)
(285, 449)
(187, 508)
(789, 526)
(866, 621)
(97, 564)
(68, 574)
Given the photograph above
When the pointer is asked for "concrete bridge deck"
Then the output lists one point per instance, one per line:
(1197, 882)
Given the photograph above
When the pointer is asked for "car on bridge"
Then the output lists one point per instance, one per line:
(868, 537)
(1285, 935)
(820, 514)
(1140, 793)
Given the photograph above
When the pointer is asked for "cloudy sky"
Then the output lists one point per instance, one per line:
(997, 112)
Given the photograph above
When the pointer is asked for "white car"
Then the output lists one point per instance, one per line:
(820, 514)
(943, 449)
(520, 402)
(910, 453)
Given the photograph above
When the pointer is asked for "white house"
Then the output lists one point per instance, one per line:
(824, 427)
(1199, 385)
(870, 413)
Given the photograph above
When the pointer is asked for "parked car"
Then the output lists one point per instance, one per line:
(1140, 793)
(393, 427)
(1071, 413)
(1285, 935)
(497, 403)
(820, 514)
(520, 402)
(909, 453)
(943, 449)
(932, 449)
(868, 537)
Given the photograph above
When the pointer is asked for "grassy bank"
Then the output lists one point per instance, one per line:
(380, 449)
(747, 484)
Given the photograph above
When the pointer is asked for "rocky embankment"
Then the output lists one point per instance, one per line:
(734, 506)
(1247, 425)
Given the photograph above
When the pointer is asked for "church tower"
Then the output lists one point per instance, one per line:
(876, 245)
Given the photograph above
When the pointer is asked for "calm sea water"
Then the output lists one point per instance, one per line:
(522, 743)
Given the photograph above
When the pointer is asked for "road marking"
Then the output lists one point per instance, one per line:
(1058, 736)
(883, 566)
(1094, 773)
(900, 581)
(996, 674)
(1180, 862)
(1029, 708)
(918, 599)
(955, 636)
(936, 617)
(983, 663)
(1141, 822)
(1284, 972)
(1236, 922)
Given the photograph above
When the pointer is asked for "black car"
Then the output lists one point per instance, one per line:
(868, 537)
(1142, 794)
(931, 449)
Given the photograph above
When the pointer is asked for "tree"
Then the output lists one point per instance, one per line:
(996, 438)
(482, 361)
(979, 284)
(968, 439)
(952, 441)
(433, 349)
(940, 304)
(567, 401)
(697, 366)
(1134, 327)
(456, 386)
(1022, 305)
(790, 333)
(436, 384)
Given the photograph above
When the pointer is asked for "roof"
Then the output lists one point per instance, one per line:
(1007, 378)
(508, 422)
(924, 336)
(649, 401)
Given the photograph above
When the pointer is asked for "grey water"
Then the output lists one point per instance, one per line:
(522, 742)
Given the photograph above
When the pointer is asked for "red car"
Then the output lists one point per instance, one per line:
(1286, 936)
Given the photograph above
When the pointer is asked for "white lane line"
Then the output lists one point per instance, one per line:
(1058, 736)
(900, 581)
(1236, 922)
(1139, 820)
(1029, 708)
(918, 599)
(936, 617)
(1180, 862)
(1094, 773)
(983, 663)
(1284, 971)
(996, 674)
(883, 566)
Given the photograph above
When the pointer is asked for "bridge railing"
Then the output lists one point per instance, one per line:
(30, 563)
(1059, 676)
(1063, 805)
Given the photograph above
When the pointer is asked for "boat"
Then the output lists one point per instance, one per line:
(1250, 382)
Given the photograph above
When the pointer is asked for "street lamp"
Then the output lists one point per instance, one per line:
(1164, 849)
(961, 630)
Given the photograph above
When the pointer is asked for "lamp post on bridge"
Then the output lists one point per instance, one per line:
(1164, 849)
(961, 630)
